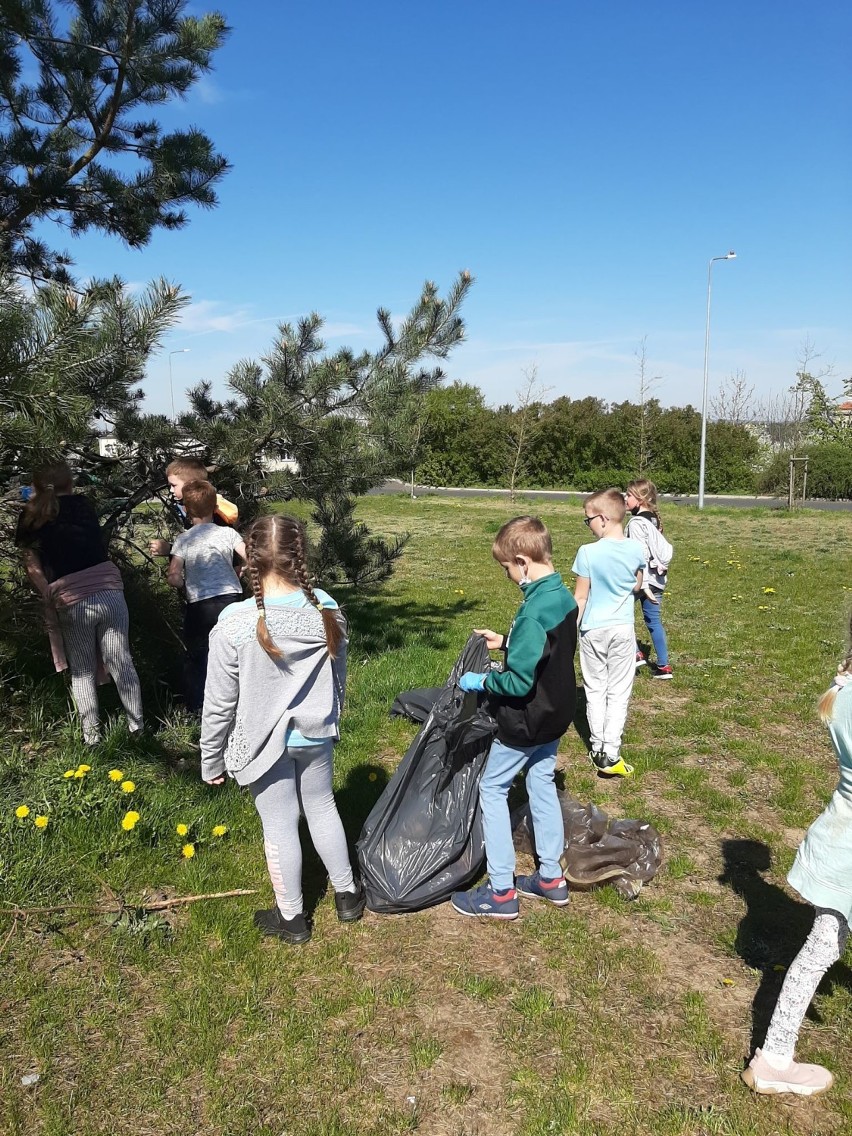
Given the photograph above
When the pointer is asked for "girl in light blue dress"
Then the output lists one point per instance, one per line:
(821, 874)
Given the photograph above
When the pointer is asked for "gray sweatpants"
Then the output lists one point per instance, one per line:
(301, 776)
(608, 663)
(100, 624)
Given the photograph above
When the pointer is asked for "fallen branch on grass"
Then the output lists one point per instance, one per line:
(119, 905)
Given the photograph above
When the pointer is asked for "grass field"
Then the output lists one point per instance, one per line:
(605, 1018)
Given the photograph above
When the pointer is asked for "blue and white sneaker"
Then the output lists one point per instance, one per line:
(537, 887)
(485, 903)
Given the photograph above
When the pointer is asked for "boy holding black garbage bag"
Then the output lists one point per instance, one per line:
(533, 699)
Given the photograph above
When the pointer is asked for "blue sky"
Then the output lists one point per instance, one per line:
(583, 161)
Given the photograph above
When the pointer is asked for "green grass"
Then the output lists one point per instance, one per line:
(608, 1017)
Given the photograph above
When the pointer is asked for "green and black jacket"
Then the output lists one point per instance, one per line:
(535, 695)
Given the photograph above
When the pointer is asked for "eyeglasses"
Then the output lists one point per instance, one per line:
(588, 520)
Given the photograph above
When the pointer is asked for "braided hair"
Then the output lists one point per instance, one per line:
(825, 706)
(277, 546)
(645, 492)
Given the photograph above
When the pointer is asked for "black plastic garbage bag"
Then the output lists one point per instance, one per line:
(423, 839)
(624, 853)
(415, 704)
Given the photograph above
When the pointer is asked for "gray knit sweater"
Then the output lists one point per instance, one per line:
(252, 702)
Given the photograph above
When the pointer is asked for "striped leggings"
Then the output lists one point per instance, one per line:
(94, 627)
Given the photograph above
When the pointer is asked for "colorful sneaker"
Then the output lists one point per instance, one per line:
(641, 661)
(610, 766)
(272, 922)
(803, 1080)
(484, 902)
(663, 672)
(537, 887)
(350, 904)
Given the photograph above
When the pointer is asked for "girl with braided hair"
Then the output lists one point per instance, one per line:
(275, 684)
(821, 874)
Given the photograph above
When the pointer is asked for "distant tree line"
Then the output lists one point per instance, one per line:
(578, 444)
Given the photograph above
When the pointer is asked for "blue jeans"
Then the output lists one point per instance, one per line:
(503, 764)
(654, 622)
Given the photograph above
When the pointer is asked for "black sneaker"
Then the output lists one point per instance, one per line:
(272, 922)
(350, 904)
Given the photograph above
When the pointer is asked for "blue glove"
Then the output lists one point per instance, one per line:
(471, 680)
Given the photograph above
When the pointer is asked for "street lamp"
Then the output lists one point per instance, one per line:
(728, 256)
(178, 351)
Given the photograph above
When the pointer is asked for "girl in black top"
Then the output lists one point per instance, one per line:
(66, 559)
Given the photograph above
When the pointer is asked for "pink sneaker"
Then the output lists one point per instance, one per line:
(803, 1080)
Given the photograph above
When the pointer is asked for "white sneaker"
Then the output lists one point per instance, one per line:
(803, 1080)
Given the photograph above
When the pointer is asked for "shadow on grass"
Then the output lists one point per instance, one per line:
(772, 931)
(381, 623)
(581, 721)
(364, 785)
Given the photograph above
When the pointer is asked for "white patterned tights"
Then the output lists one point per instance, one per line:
(823, 947)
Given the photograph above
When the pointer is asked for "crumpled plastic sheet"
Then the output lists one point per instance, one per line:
(624, 853)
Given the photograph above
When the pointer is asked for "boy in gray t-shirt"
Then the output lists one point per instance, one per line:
(203, 563)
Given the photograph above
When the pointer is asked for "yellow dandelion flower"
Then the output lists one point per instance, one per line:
(79, 774)
(769, 591)
(372, 777)
(763, 607)
(40, 822)
(84, 768)
(129, 821)
(128, 786)
(69, 773)
(181, 829)
(219, 829)
(188, 851)
(22, 811)
(115, 774)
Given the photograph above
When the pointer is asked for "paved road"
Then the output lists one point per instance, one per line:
(558, 495)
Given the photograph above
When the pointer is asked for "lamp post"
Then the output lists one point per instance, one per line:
(728, 256)
(178, 351)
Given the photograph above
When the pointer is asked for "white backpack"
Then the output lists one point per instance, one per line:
(660, 550)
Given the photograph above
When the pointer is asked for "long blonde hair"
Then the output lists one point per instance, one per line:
(43, 506)
(277, 546)
(645, 492)
(825, 706)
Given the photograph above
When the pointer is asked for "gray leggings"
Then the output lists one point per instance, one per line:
(301, 776)
(100, 624)
(823, 947)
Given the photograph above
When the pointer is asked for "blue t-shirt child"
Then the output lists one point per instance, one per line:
(610, 566)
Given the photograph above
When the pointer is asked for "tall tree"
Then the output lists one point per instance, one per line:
(68, 358)
(76, 145)
(525, 421)
(334, 414)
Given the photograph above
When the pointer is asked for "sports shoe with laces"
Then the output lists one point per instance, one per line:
(610, 766)
(485, 903)
(803, 1080)
(537, 887)
(272, 922)
(641, 661)
(663, 672)
(350, 904)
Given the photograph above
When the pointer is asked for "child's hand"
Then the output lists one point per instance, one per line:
(472, 680)
(159, 547)
(493, 641)
(650, 595)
